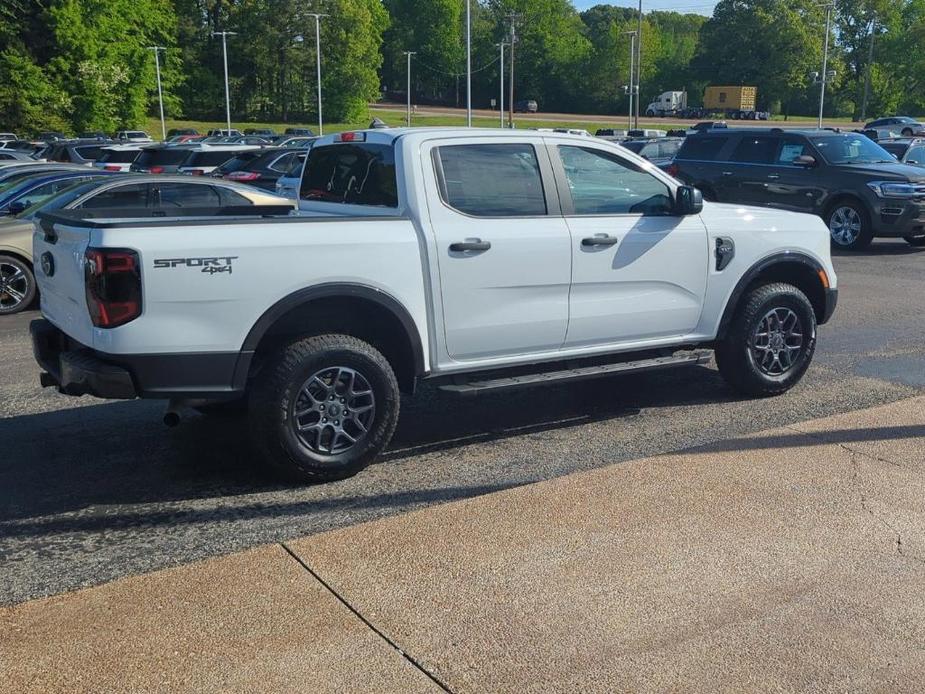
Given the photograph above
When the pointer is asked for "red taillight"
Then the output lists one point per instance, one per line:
(113, 285)
(242, 176)
(112, 167)
(156, 169)
(673, 170)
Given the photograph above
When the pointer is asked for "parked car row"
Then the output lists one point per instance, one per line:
(28, 188)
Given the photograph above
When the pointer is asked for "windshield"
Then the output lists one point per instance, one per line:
(60, 200)
(851, 149)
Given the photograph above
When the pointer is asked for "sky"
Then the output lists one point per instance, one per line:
(704, 7)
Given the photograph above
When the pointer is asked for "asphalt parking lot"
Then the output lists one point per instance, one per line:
(92, 490)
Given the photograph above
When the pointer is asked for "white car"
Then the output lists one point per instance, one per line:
(117, 157)
(136, 136)
(204, 159)
(478, 260)
(288, 184)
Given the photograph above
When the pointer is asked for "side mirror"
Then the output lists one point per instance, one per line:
(688, 200)
(18, 206)
(805, 160)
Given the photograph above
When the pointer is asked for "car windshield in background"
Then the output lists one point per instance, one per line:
(854, 149)
(165, 156)
(61, 199)
(208, 158)
(353, 174)
(118, 156)
(239, 161)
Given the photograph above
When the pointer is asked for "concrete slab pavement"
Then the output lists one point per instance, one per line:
(789, 560)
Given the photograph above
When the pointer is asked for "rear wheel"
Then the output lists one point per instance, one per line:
(771, 341)
(324, 408)
(17, 285)
(907, 132)
(917, 241)
(849, 226)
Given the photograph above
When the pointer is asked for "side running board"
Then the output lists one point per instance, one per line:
(578, 374)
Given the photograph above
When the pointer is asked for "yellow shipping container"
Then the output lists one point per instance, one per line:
(730, 98)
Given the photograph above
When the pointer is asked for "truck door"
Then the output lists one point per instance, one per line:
(502, 247)
(639, 271)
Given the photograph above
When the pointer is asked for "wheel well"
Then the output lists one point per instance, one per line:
(845, 197)
(19, 257)
(348, 315)
(799, 274)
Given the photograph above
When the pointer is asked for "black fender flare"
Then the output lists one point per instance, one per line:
(320, 291)
(753, 272)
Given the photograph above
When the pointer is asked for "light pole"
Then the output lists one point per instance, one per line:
(632, 35)
(823, 78)
(160, 94)
(513, 17)
(501, 83)
(318, 17)
(224, 35)
(870, 63)
(468, 63)
(638, 62)
(408, 115)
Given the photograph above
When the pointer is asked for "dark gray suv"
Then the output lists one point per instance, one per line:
(856, 186)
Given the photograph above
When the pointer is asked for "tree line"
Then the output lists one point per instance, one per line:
(87, 64)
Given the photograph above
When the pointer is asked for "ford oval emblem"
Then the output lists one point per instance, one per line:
(48, 264)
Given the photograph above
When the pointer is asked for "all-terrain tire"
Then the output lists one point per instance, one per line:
(281, 388)
(740, 352)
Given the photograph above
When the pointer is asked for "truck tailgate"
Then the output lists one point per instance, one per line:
(58, 254)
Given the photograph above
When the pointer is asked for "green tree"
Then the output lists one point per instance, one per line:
(29, 101)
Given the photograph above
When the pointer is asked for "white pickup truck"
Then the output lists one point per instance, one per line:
(475, 259)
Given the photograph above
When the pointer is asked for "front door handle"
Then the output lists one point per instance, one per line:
(727, 173)
(473, 245)
(599, 241)
(773, 177)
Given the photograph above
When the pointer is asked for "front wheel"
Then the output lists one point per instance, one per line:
(849, 226)
(917, 241)
(17, 285)
(324, 407)
(770, 342)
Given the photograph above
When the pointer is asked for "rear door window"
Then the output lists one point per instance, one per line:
(702, 148)
(755, 150)
(179, 195)
(355, 174)
(231, 198)
(492, 180)
(122, 197)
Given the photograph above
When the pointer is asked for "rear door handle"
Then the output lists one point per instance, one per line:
(599, 241)
(727, 173)
(474, 245)
(773, 177)
(158, 213)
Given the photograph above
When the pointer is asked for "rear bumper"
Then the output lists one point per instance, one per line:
(831, 300)
(75, 369)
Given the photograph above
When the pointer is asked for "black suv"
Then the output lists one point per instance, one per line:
(855, 185)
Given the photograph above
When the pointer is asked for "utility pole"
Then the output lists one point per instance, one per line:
(224, 35)
(638, 62)
(469, 63)
(408, 112)
(160, 94)
(632, 35)
(318, 17)
(824, 77)
(870, 62)
(513, 17)
(501, 82)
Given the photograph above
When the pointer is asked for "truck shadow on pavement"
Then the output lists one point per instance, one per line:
(120, 453)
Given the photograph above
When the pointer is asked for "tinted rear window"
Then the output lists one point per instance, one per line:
(208, 158)
(242, 160)
(89, 151)
(117, 156)
(702, 148)
(361, 174)
(161, 157)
